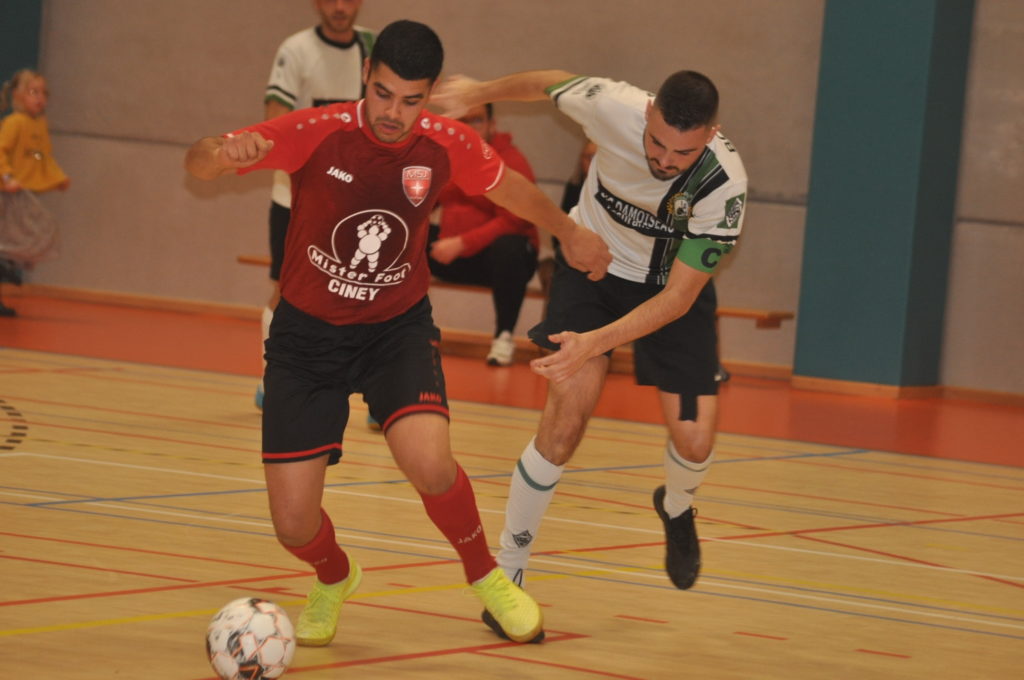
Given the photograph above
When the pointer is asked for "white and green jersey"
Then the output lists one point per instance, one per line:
(310, 69)
(647, 222)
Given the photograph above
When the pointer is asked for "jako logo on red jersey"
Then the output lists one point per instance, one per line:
(416, 183)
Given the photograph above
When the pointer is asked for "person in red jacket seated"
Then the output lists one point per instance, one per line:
(479, 243)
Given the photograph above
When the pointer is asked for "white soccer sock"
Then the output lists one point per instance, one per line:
(682, 477)
(265, 319)
(530, 492)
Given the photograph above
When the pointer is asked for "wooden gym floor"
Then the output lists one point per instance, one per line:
(844, 537)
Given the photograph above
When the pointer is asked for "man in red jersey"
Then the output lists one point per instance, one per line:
(354, 315)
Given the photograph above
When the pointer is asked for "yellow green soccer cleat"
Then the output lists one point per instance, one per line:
(517, 614)
(319, 618)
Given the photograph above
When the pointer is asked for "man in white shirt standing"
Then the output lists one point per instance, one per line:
(319, 65)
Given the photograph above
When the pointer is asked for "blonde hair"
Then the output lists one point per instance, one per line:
(17, 80)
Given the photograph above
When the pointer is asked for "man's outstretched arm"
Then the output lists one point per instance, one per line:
(583, 249)
(458, 94)
(211, 157)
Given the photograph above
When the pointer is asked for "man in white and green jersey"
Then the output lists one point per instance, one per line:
(666, 191)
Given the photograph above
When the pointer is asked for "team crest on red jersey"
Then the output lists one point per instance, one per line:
(416, 183)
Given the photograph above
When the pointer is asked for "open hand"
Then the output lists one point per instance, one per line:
(574, 351)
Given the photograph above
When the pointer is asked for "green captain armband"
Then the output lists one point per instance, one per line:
(551, 89)
(703, 254)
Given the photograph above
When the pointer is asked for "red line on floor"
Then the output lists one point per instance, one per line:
(550, 664)
(422, 655)
(875, 651)
(854, 468)
(145, 591)
(639, 618)
(204, 584)
(995, 579)
(759, 635)
(834, 499)
(103, 569)
(159, 553)
(878, 525)
(606, 501)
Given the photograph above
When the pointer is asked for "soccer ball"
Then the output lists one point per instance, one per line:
(250, 639)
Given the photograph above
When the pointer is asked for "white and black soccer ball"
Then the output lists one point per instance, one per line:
(250, 639)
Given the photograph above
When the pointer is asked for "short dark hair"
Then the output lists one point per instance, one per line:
(687, 100)
(411, 49)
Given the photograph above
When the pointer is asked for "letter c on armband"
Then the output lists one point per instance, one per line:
(710, 257)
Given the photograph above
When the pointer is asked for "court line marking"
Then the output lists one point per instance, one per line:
(229, 379)
(784, 593)
(106, 570)
(552, 664)
(562, 520)
(658, 575)
(157, 553)
(633, 574)
(134, 435)
(413, 656)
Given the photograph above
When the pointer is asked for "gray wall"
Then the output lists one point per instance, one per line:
(133, 83)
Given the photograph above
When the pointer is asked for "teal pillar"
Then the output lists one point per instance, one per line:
(20, 24)
(882, 194)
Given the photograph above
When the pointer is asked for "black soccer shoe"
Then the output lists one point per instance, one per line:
(682, 549)
(493, 624)
(7, 311)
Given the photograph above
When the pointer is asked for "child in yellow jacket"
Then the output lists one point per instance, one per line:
(27, 230)
(26, 158)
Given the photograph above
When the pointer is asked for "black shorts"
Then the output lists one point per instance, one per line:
(314, 366)
(680, 357)
(279, 218)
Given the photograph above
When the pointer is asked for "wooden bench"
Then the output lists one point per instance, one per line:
(763, 318)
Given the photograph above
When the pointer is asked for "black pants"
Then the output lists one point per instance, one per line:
(505, 267)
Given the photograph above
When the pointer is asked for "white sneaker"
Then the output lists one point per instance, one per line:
(502, 349)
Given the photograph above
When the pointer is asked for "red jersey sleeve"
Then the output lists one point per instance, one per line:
(517, 161)
(297, 134)
(476, 166)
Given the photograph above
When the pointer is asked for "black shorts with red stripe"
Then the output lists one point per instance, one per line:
(314, 366)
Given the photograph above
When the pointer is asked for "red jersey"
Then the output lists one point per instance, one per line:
(475, 218)
(356, 246)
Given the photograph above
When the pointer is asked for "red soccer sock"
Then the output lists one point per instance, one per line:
(323, 553)
(454, 512)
